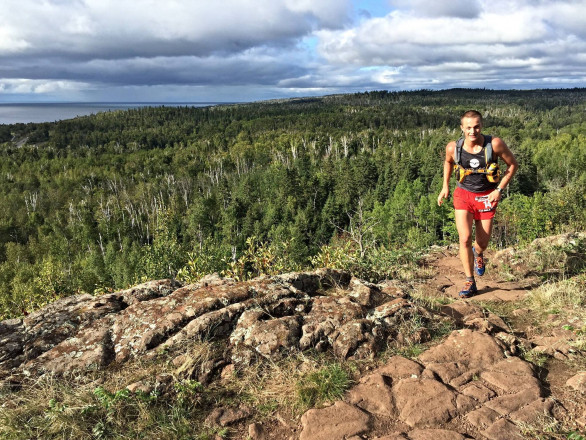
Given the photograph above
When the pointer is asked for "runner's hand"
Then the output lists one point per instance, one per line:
(444, 194)
(494, 196)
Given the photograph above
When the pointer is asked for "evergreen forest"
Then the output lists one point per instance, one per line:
(99, 203)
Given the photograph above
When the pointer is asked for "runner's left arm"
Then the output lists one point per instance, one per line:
(502, 150)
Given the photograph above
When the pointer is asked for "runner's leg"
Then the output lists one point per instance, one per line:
(464, 220)
(483, 231)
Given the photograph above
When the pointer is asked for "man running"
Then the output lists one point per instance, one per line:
(477, 192)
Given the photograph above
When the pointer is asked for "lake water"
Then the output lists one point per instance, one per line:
(50, 112)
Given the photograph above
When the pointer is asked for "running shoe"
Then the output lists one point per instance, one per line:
(478, 263)
(468, 290)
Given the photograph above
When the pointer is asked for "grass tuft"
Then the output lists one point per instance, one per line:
(567, 293)
(324, 385)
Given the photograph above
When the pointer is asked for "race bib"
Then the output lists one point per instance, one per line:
(483, 205)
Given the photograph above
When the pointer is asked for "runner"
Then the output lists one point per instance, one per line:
(478, 190)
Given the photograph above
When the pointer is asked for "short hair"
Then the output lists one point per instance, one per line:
(472, 114)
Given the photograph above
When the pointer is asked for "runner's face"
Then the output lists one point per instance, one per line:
(471, 127)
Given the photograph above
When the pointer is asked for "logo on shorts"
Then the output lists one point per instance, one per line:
(474, 163)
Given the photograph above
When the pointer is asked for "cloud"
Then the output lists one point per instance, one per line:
(124, 28)
(30, 86)
(453, 8)
(475, 43)
(123, 48)
(149, 43)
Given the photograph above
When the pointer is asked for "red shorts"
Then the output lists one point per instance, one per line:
(475, 203)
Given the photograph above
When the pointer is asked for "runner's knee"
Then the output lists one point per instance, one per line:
(466, 240)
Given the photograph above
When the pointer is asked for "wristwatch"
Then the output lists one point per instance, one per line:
(499, 189)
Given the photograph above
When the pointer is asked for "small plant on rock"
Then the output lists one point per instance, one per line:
(535, 357)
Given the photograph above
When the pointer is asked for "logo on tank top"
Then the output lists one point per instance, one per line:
(474, 163)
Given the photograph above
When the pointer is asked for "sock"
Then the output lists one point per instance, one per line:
(470, 279)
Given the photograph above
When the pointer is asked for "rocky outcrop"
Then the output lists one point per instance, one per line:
(80, 317)
(472, 385)
(557, 254)
(466, 378)
(265, 318)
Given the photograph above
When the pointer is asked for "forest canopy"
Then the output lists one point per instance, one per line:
(101, 202)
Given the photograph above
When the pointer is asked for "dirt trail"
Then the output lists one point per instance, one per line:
(449, 279)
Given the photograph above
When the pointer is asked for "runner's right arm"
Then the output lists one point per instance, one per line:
(448, 168)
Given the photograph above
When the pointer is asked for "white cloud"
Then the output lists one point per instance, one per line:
(27, 86)
(491, 42)
(417, 39)
(136, 47)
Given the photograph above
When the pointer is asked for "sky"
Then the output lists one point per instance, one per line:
(251, 50)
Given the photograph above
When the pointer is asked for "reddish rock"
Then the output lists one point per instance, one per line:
(502, 429)
(147, 291)
(446, 371)
(509, 403)
(534, 413)
(461, 310)
(512, 375)
(483, 417)
(337, 422)
(140, 386)
(399, 367)
(435, 434)
(472, 316)
(228, 372)
(63, 319)
(12, 337)
(469, 348)
(578, 382)
(374, 395)
(515, 345)
(394, 436)
(550, 345)
(486, 324)
(216, 323)
(463, 351)
(83, 332)
(439, 401)
(392, 288)
(478, 391)
(389, 309)
(362, 293)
